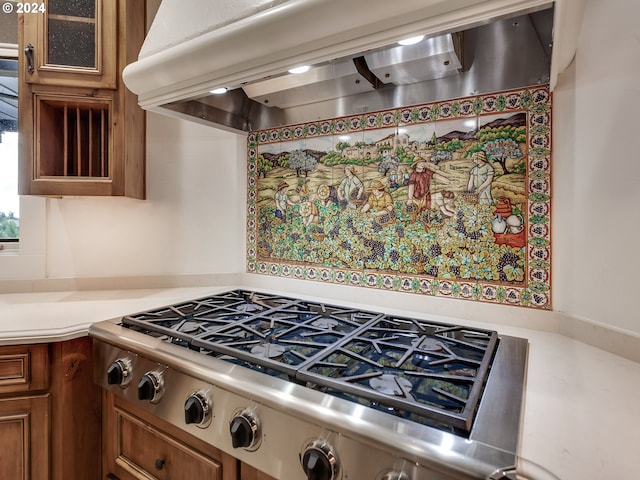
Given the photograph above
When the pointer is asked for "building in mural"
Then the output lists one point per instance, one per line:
(449, 199)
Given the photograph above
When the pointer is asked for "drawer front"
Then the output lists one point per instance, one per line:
(144, 452)
(24, 368)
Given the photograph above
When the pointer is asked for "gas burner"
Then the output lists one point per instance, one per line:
(268, 350)
(325, 322)
(391, 385)
(429, 344)
(189, 327)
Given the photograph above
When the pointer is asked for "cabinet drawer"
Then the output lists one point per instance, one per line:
(24, 368)
(144, 452)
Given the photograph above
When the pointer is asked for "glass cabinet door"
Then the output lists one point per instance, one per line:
(71, 42)
(71, 33)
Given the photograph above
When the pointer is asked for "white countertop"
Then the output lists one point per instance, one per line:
(582, 404)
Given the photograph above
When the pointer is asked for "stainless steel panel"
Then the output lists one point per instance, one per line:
(323, 82)
(504, 54)
(403, 65)
(291, 415)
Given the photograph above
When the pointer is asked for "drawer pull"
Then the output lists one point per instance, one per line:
(159, 464)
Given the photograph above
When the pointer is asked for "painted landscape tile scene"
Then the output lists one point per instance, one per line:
(448, 199)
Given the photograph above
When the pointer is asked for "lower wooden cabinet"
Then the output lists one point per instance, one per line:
(76, 411)
(138, 446)
(50, 412)
(250, 473)
(24, 438)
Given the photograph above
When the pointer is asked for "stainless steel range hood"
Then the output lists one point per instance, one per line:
(470, 47)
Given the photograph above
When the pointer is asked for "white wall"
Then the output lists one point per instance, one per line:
(191, 222)
(596, 173)
(596, 194)
(194, 218)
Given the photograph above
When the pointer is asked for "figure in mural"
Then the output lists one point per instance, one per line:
(393, 179)
(480, 178)
(351, 187)
(303, 189)
(443, 201)
(404, 176)
(282, 201)
(327, 194)
(419, 194)
(379, 202)
(310, 213)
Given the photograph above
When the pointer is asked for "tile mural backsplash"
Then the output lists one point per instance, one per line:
(450, 199)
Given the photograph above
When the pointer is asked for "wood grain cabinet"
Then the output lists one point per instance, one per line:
(138, 446)
(82, 132)
(24, 433)
(24, 413)
(49, 412)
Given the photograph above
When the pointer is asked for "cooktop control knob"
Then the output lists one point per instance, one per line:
(119, 372)
(319, 462)
(245, 430)
(198, 409)
(151, 387)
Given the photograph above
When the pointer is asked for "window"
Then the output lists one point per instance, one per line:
(9, 200)
(25, 259)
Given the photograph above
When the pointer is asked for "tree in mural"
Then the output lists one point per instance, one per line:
(501, 144)
(264, 166)
(445, 150)
(404, 156)
(302, 162)
(502, 149)
(340, 146)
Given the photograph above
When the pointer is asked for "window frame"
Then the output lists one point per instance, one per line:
(25, 258)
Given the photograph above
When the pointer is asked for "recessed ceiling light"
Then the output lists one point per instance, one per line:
(302, 69)
(219, 91)
(411, 40)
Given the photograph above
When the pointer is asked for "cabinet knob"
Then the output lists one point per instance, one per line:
(159, 464)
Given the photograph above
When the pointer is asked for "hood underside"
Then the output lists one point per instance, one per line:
(355, 67)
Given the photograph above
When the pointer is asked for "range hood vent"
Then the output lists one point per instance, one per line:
(247, 46)
(431, 58)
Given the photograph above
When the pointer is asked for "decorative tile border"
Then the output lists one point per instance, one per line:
(535, 289)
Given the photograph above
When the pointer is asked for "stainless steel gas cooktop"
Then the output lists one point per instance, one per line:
(425, 396)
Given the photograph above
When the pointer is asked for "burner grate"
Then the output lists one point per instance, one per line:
(407, 367)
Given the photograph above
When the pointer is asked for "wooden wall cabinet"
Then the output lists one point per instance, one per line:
(81, 130)
(49, 412)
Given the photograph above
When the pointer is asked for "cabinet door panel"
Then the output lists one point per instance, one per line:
(71, 43)
(24, 437)
(144, 451)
